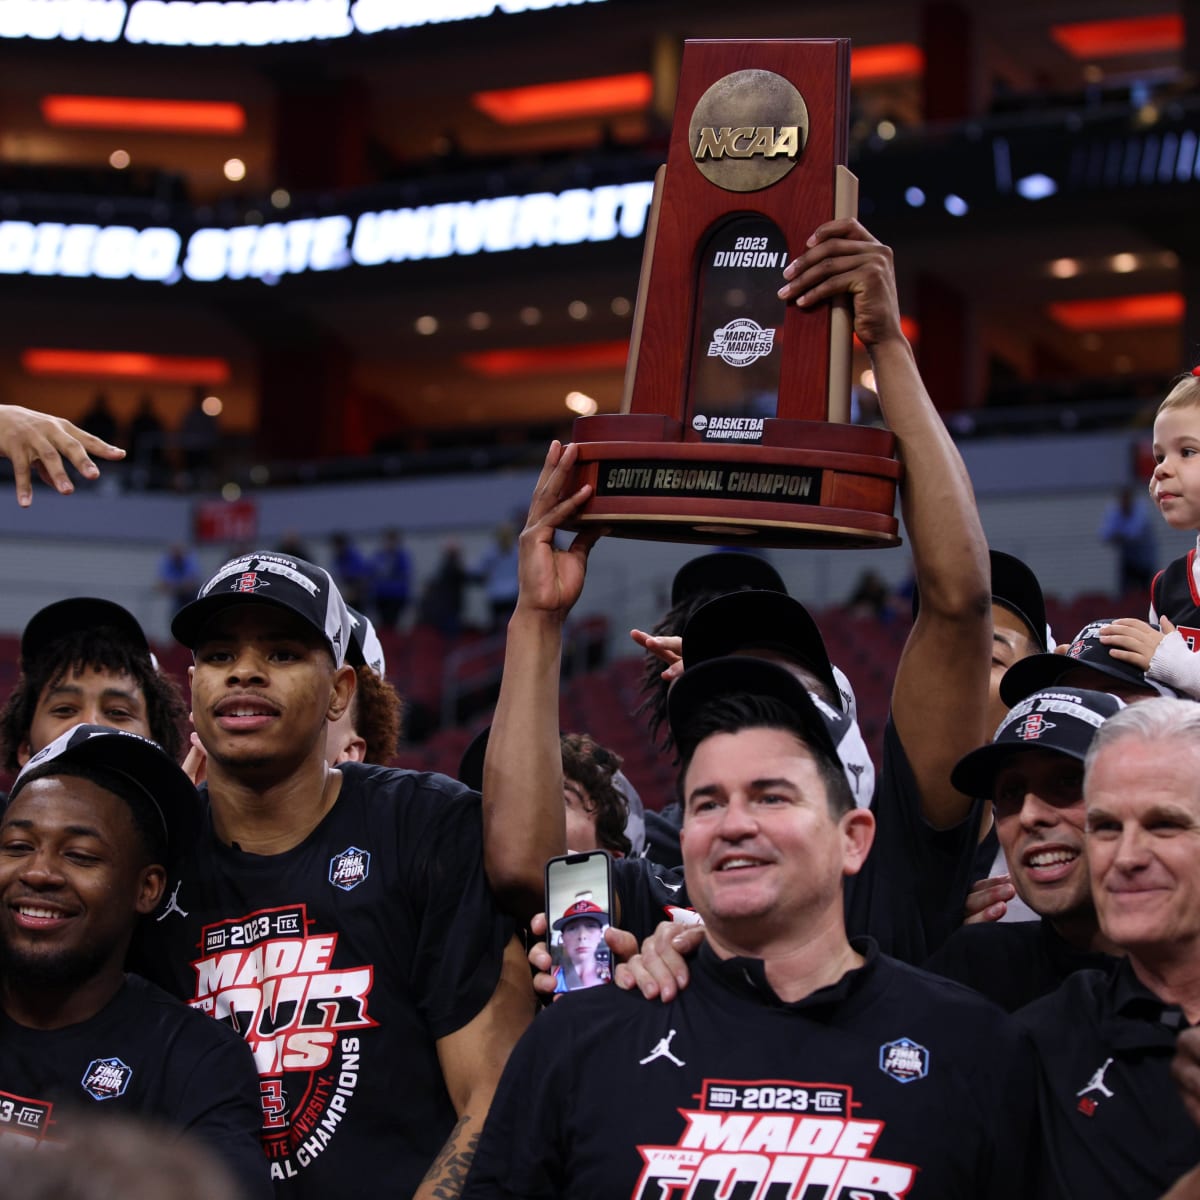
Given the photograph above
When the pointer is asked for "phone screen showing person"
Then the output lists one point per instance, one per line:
(578, 904)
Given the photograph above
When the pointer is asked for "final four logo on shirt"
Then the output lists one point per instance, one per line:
(106, 1078)
(249, 581)
(348, 869)
(1034, 725)
(904, 1060)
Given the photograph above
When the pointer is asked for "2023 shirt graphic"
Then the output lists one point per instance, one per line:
(272, 980)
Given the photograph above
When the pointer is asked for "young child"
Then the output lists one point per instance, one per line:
(1167, 653)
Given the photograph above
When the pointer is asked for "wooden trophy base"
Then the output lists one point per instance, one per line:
(806, 483)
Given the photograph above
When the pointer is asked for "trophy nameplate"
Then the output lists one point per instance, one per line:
(734, 421)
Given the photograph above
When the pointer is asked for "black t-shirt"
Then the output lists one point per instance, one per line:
(889, 1083)
(342, 962)
(909, 896)
(1114, 1123)
(1013, 964)
(1174, 595)
(142, 1054)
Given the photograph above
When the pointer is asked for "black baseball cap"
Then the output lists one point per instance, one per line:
(1085, 650)
(364, 648)
(758, 620)
(724, 571)
(269, 578)
(832, 734)
(1015, 587)
(79, 612)
(139, 762)
(1060, 719)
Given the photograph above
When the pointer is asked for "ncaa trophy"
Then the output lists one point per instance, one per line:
(734, 420)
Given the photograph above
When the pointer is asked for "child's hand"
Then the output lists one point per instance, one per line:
(1134, 641)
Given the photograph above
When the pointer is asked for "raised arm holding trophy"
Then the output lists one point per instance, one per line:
(734, 423)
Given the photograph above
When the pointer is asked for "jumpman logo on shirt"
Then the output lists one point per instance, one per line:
(1096, 1083)
(172, 904)
(662, 1050)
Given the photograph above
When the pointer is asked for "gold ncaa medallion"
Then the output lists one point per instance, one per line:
(748, 130)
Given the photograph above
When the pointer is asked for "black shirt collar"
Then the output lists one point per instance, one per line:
(747, 977)
(1129, 997)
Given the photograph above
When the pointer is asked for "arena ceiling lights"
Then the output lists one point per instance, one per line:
(242, 22)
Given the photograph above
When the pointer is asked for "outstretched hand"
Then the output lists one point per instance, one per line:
(842, 258)
(551, 580)
(34, 441)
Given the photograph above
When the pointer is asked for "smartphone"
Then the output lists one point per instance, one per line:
(578, 908)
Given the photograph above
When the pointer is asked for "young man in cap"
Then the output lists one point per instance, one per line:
(86, 660)
(1033, 774)
(940, 697)
(582, 928)
(93, 821)
(798, 1061)
(337, 918)
(1114, 1123)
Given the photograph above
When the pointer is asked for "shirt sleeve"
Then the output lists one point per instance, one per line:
(220, 1106)
(1176, 666)
(460, 932)
(521, 1152)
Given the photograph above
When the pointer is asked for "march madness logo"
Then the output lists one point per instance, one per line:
(760, 1139)
(273, 981)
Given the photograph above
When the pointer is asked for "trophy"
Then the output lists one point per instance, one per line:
(734, 423)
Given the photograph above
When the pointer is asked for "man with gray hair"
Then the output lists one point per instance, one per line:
(1114, 1123)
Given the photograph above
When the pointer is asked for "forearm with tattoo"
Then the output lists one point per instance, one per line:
(445, 1178)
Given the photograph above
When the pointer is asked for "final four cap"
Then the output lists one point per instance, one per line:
(140, 763)
(268, 578)
(1084, 650)
(1060, 719)
(79, 612)
(756, 619)
(582, 910)
(365, 648)
(724, 571)
(832, 734)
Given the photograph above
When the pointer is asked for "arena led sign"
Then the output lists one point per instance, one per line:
(241, 22)
(269, 252)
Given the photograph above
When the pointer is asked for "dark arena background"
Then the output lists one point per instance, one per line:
(336, 268)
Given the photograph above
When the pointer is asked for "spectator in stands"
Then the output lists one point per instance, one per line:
(441, 604)
(87, 660)
(198, 438)
(871, 598)
(178, 576)
(1127, 527)
(350, 568)
(147, 442)
(93, 823)
(497, 572)
(99, 420)
(391, 579)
